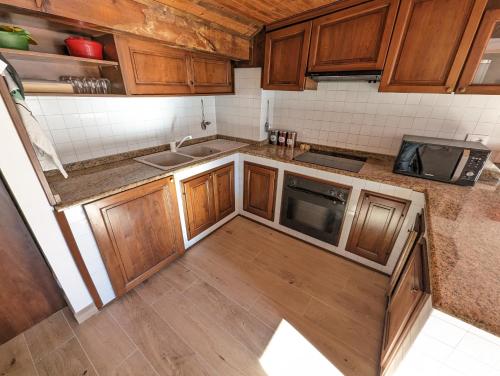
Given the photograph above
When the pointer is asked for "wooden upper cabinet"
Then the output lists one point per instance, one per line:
(211, 74)
(285, 58)
(138, 232)
(353, 39)
(259, 194)
(376, 225)
(223, 180)
(199, 203)
(481, 74)
(430, 43)
(153, 68)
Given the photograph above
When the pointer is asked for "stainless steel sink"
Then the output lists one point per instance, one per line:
(165, 159)
(198, 151)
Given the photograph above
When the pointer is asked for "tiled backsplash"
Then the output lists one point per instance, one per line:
(244, 114)
(352, 115)
(355, 115)
(83, 128)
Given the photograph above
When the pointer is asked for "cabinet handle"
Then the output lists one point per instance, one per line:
(414, 290)
(449, 90)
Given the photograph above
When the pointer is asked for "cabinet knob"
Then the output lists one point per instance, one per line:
(171, 180)
(461, 90)
(449, 90)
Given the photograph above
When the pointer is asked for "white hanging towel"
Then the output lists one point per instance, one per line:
(43, 146)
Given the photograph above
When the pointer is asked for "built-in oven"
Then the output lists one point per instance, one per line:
(314, 207)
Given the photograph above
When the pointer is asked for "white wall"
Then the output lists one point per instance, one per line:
(354, 115)
(23, 182)
(84, 128)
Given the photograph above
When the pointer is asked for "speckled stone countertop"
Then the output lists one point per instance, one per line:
(463, 224)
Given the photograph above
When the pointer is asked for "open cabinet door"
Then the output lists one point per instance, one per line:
(28, 292)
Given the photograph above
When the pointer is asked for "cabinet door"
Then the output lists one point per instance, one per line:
(224, 191)
(353, 39)
(429, 45)
(404, 301)
(286, 58)
(153, 68)
(199, 203)
(260, 190)
(138, 232)
(481, 74)
(376, 225)
(211, 74)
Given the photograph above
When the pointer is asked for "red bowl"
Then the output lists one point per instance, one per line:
(82, 47)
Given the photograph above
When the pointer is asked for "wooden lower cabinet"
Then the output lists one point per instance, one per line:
(405, 302)
(138, 232)
(223, 181)
(208, 198)
(259, 194)
(376, 225)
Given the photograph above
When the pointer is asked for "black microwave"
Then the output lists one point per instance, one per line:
(449, 161)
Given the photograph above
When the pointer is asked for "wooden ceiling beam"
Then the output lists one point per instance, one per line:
(213, 12)
(145, 18)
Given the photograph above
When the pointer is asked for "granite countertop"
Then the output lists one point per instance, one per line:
(463, 224)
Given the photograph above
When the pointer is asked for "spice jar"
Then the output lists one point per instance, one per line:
(291, 139)
(282, 138)
(273, 137)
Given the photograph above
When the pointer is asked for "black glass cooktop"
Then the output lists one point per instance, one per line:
(340, 161)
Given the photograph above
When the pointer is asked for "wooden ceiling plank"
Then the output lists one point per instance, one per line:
(146, 19)
(250, 9)
(213, 12)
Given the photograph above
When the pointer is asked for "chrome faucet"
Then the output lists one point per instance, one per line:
(174, 145)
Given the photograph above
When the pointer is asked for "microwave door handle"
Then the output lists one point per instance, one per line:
(461, 165)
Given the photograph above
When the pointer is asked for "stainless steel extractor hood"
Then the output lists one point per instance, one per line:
(370, 76)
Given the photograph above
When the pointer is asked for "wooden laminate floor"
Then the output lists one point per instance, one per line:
(247, 300)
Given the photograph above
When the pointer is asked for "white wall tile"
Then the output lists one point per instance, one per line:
(84, 128)
(351, 107)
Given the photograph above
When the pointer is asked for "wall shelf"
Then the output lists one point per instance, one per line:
(34, 56)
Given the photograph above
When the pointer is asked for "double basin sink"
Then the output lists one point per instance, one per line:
(167, 160)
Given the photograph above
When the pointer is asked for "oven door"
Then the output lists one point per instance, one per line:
(312, 213)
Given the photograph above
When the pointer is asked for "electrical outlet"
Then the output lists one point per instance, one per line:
(482, 138)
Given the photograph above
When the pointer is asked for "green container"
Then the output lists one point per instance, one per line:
(13, 39)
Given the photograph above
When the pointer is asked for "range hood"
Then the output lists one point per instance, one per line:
(370, 76)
